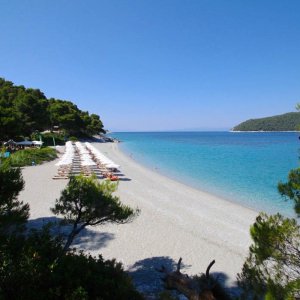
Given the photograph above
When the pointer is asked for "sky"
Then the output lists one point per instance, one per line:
(156, 65)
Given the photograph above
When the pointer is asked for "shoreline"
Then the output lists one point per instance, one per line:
(241, 169)
(204, 221)
(187, 185)
(175, 221)
(184, 184)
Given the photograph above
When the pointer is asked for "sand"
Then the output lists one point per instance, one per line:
(175, 221)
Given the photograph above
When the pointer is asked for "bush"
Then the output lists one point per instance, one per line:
(73, 139)
(273, 266)
(13, 213)
(47, 138)
(34, 268)
(25, 157)
(97, 277)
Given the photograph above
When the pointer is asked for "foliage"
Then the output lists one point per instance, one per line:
(34, 265)
(66, 115)
(86, 202)
(25, 110)
(27, 156)
(69, 117)
(285, 122)
(107, 278)
(30, 269)
(272, 268)
(26, 265)
(73, 139)
(48, 137)
(21, 110)
(13, 213)
(291, 189)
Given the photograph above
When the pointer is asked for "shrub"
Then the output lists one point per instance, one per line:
(13, 213)
(25, 157)
(48, 137)
(33, 268)
(273, 266)
(73, 139)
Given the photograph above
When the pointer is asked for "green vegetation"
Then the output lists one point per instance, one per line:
(86, 202)
(291, 189)
(73, 139)
(25, 157)
(13, 213)
(49, 138)
(273, 266)
(285, 122)
(272, 269)
(24, 111)
(34, 265)
(30, 269)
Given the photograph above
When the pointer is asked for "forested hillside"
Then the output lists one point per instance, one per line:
(26, 110)
(286, 122)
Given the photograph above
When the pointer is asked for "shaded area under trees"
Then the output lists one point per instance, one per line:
(35, 265)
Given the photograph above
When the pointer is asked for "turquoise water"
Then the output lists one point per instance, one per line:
(241, 167)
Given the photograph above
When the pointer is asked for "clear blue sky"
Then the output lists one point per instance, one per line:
(157, 64)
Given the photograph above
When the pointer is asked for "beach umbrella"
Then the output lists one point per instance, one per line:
(101, 157)
(88, 163)
(113, 166)
(68, 156)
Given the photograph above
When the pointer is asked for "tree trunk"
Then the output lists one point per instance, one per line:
(69, 241)
(72, 236)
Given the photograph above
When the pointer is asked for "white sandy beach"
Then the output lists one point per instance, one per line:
(175, 220)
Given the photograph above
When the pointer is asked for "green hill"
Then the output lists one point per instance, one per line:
(24, 111)
(286, 122)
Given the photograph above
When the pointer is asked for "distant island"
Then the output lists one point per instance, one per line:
(285, 122)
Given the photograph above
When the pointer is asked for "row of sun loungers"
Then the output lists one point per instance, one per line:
(87, 160)
(65, 163)
(106, 165)
(100, 158)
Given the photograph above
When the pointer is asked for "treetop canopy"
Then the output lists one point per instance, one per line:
(26, 110)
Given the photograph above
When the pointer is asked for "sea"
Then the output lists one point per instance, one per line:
(243, 167)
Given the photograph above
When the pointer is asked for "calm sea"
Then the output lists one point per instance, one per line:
(241, 167)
